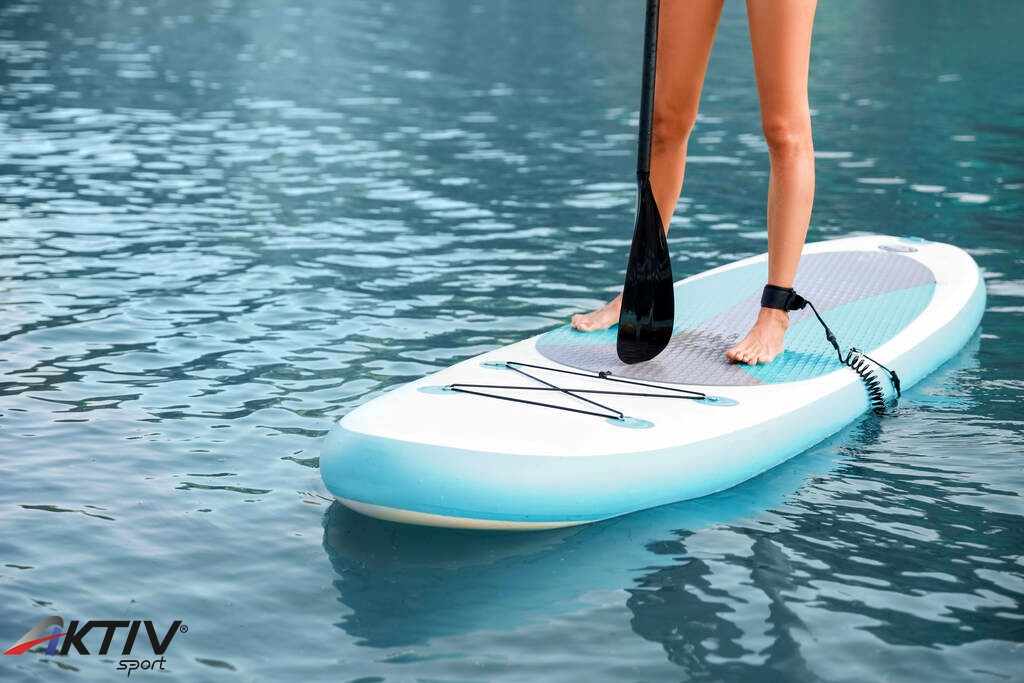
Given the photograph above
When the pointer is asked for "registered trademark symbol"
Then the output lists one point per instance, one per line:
(183, 628)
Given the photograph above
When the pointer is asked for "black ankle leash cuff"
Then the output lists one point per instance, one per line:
(782, 298)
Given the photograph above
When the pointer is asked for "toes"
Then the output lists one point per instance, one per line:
(747, 356)
(760, 357)
(750, 355)
(751, 352)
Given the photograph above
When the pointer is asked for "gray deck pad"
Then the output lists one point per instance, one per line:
(866, 297)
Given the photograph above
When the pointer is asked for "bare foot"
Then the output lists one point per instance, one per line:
(601, 319)
(764, 341)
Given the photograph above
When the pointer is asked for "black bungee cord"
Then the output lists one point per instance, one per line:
(611, 413)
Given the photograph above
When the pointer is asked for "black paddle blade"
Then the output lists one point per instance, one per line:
(648, 305)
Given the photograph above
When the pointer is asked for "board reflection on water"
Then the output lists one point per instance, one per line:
(441, 581)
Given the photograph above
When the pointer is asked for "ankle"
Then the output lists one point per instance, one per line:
(774, 315)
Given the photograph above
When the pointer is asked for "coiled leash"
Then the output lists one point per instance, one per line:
(786, 299)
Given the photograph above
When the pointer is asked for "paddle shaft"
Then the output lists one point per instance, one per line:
(643, 155)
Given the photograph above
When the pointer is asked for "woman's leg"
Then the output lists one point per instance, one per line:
(686, 30)
(780, 34)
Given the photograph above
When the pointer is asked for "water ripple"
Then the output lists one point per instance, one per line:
(223, 225)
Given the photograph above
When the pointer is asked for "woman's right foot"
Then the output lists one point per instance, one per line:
(601, 319)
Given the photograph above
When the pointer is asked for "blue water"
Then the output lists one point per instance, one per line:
(225, 224)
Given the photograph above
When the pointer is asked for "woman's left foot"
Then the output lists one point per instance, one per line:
(764, 341)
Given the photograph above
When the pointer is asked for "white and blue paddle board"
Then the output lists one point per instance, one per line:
(429, 452)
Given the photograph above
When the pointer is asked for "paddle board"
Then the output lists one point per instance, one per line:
(555, 431)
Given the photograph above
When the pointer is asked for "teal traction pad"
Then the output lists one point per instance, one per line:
(867, 298)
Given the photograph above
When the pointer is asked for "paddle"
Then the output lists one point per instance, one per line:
(648, 308)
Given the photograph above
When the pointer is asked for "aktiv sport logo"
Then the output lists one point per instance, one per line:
(51, 629)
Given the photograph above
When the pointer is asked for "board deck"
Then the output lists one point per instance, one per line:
(425, 454)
